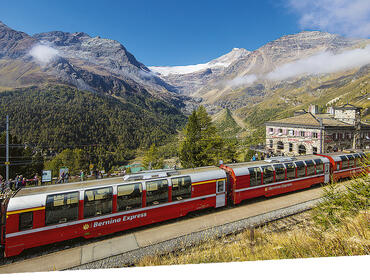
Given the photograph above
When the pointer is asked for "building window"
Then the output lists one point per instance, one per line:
(291, 132)
(271, 130)
(314, 135)
(314, 150)
(302, 133)
(280, 131)
(301, 149)
(271, 143)
(280, 145)
(290, 147)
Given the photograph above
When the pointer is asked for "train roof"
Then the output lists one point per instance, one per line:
(274, 160)
(195, 173)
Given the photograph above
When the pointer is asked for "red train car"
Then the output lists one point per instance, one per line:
(37, 216)
(344, 165)
(43, 215)
(275, 176)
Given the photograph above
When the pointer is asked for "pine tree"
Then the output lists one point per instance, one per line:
(202, 145)
(152, 159)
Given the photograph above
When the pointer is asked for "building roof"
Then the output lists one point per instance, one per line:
(309, 119)
(347, 107)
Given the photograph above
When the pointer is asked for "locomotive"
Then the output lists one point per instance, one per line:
(37, 216)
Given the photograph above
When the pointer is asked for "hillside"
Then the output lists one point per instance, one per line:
(336, 89)
(55, 117)
(226, 124)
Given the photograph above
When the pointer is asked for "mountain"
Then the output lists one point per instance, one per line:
(189, 79)
(76, 59)
(245, 79)
(68, 89)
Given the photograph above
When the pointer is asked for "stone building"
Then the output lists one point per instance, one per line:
(310, 132)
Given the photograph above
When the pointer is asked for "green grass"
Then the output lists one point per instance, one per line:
(337, 227)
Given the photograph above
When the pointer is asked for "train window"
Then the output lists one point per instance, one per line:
(181, 188)
(98, 202)
(25, 220)
(61, 208)
(310, 167)
(301, 169)
(357, 159)
(129, 196)
(290, 170)
(344, 162)
(156, 192)
(351, 160)
(319, 166)
(363, 159)
(220, 186)
(268, 174)
(279, 172)
(255, 176)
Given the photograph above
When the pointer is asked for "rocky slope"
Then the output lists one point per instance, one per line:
(256, 75)
(94, 64)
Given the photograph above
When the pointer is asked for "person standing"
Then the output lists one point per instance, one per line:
(36, 180)
(81, 175)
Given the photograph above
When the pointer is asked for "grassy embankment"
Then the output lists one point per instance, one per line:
(339, 226)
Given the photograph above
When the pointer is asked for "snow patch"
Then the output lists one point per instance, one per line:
(221, 62)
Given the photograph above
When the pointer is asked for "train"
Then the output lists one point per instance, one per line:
(36, 216)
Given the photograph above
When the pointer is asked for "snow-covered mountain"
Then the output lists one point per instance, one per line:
(218, 63)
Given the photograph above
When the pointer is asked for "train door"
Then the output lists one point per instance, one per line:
(327, 172)
(220, 193)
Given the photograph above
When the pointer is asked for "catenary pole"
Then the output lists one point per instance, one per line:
(7, 148)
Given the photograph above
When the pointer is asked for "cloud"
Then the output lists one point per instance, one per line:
(243, 80)
(347, 17)
(322, 63)
(43, 54)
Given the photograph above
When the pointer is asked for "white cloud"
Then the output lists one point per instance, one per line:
(43, 54)
(346, 17)
(322, 63)
(242, 81)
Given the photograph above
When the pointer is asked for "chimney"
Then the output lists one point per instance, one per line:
(313, 109)
(330, 110)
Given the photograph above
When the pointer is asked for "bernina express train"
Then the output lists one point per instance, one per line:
(37, 216)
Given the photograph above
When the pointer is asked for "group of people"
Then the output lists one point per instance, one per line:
(264, 156)
(64, 177)
(18, 182)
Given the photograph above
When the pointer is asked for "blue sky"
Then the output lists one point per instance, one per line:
(165, 32)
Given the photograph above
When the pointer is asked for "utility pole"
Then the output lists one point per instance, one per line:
(320, 120)
(7, 149)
